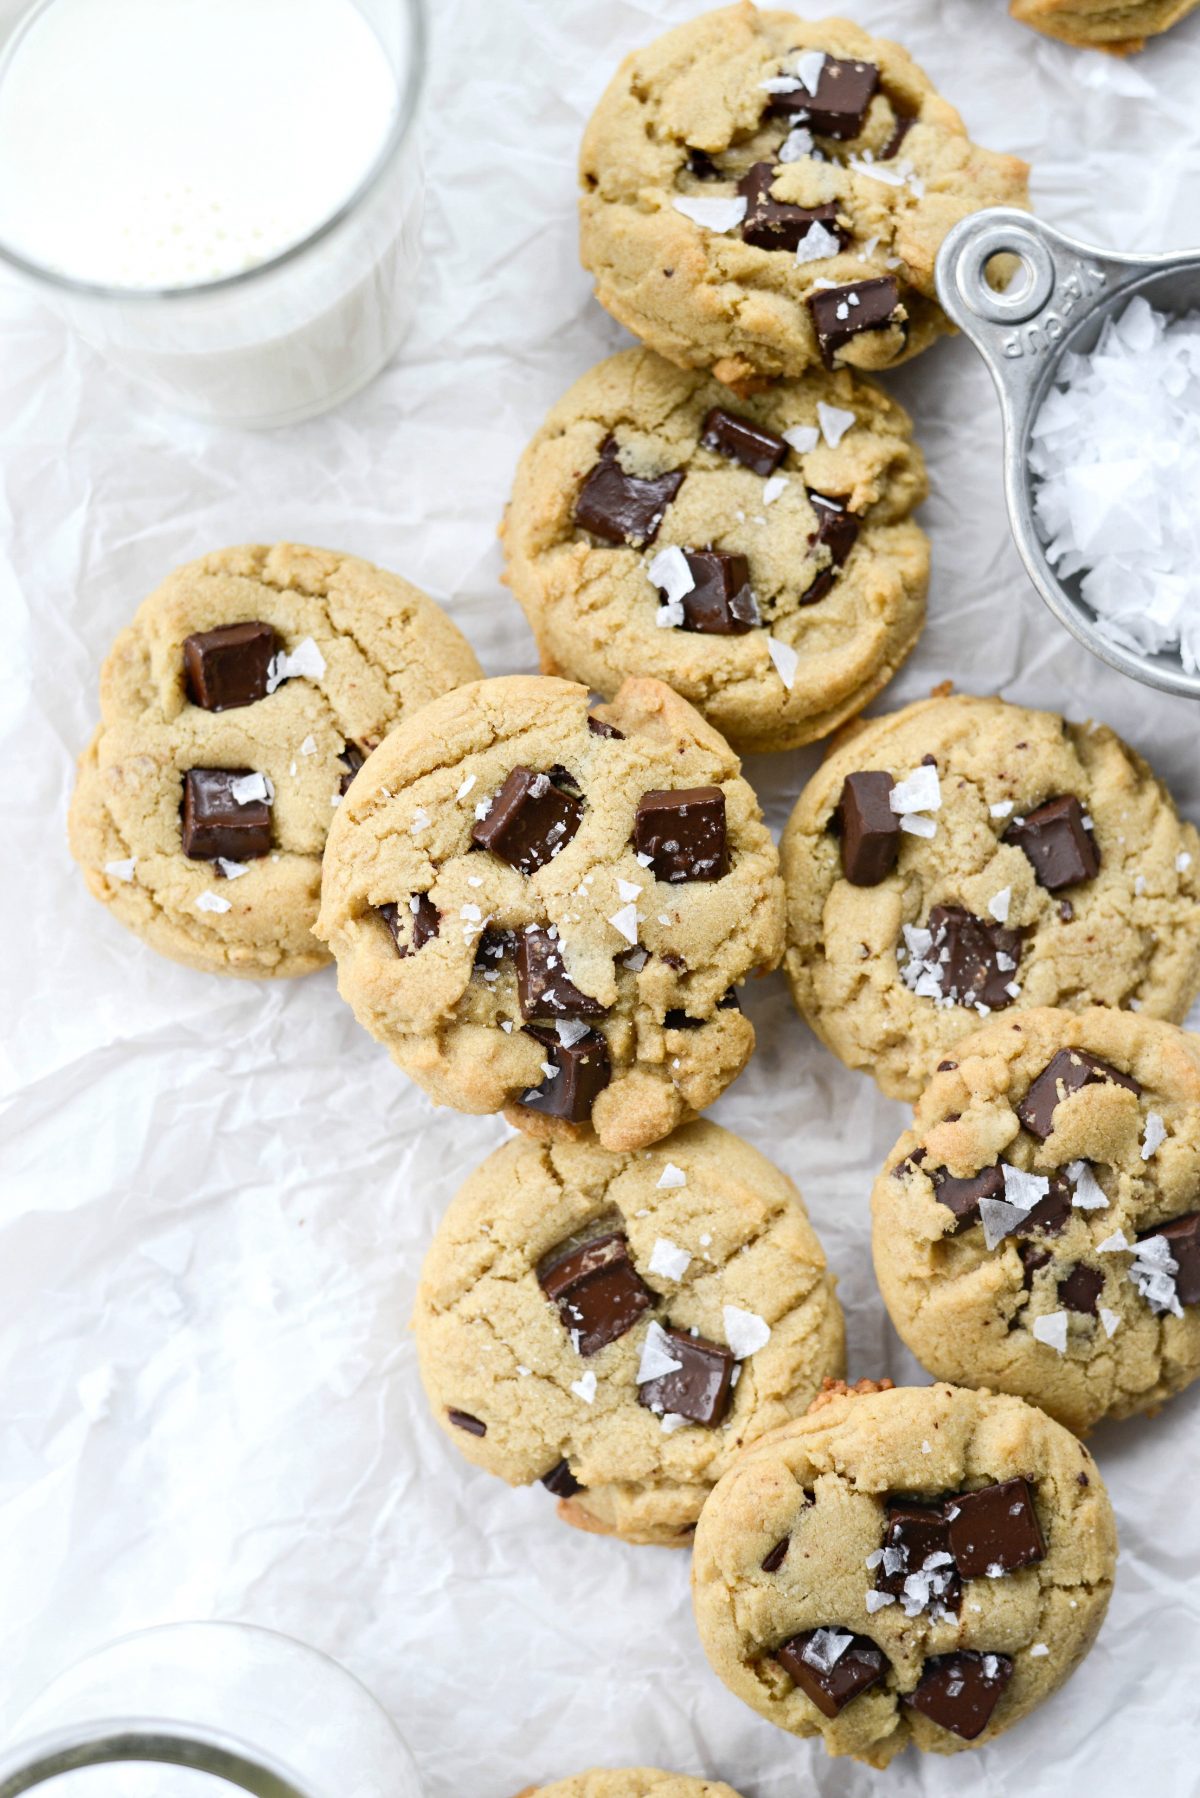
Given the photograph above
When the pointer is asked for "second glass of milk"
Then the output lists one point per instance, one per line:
(223, 196)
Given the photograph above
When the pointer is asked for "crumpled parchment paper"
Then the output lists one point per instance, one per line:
(216, 1195)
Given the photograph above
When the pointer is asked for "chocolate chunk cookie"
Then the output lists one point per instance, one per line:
(235, 710)
(548, 912)
(1118, 26)
(761, 192)
(919, 1566)
(965, 856)
(617, 1326)
(777, 585)
(630, 1782)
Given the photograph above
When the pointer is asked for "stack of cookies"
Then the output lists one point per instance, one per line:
(545, 904)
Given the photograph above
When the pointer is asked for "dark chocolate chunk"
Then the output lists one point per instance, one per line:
(837, 531)
(721, 603)
(352, 759)
(677, 1019)
(743, 440)
(729, 1000)
(699, 1388)
(624, 508)
(831, 1684)
(599, 728)
(492, 947)
(917, 1532)
(845, 90)
(462, 1420)
(1049, 1216)
(1059, 846)
(530, 821)
(1032, 1257)
(582, 1071)
(682, 830)
(228, 666)
(774, 1558)
(1183, 1239)
(868, 827)
(561, 1481)
(900, 131)
(960, 1691)
(1081, 1289)
(215, 824)
(961, 1194)
(772, 224)
(597, 1289)
(1068, 1072)
(412, 925)
(543, 985)
(840, 313)
(995, 1527)
(964, 952)
(702, 165)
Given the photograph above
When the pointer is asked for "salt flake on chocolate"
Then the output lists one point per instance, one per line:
(825, 1648)
(305, 663)
(657, 1358)
(807, 67)
(718, 215)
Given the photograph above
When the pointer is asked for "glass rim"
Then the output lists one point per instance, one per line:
(138, 1741)
(401, 126)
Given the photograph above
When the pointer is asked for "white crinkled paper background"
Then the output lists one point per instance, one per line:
(216, 1196)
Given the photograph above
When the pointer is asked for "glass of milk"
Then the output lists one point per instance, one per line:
(207, 1710)
(223, 196)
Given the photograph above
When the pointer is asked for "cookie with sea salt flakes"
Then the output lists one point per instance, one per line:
(548, 911)
(965, 856)
(1118, 26)
(618, 1326)
(758, 555)
(630, 1782)
(760, 193)
(1038, 1228)
(921, 1566)
(235, 710)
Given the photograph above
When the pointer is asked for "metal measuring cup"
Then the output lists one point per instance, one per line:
(1059, 300)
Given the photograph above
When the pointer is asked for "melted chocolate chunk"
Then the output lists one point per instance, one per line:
(352, 759)
(462, 1420)
(743, 440)
(961, 1195)
(531, 820)
(965, 950)
(1058, 845)
(772, 224)
(774, 1558)
(582, 1071)
(916, 1532)
(900, 131)
(1183, 1238)
(599, 728)
(1068, 1072)
(682, 830)
(699, 1388)
(807, 1658)
(960, 1691)
(1049, 1216)
(228, 666)
(412, 925)
(597, 1289)
(1081, 1289)
(543, 986)
(215, 824)
(837, 531)
(561, 1481)
(840, 313)
(1032, 1257)
(624, 508)
(702, 165)
(868, 827)
(838, 109)
(721, 604)
(492, 947)
(995, 1527)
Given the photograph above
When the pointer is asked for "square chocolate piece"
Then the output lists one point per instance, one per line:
(721, 604)
(831, 1666)
(1080, 1290)
(868, 827)
(840, 313)
(413, 924)
(214, 823)
(837, 531)
(599, 728)
(915, 1533)
(742, 440)
(1068, 1072)
(682, 830)
(772, 224)
(994, 1528)
(960, 1691)
(228, 666)
(531, 820)
(582, 1071)
(543, 986)
(1057, 843)
(624, 508)
(1183, 1240)
(699, 1389)
(839, 107)
(597, 1289)
(1050, 1215)
(966, 952)
(961, 1195)
(561, 1481)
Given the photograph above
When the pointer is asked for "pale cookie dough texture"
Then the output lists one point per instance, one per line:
(857, 179)
(816, 524)
(354, 650)
(631, 1782)
(1115, 25)
(567, 974)
(1036, 863)
(1064, 1268)
(860, 1522)
(536, 1377)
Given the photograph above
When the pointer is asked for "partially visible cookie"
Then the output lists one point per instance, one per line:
(631, 1782)
(1116, 25)
(548, 911)
(1038, 1229)
(922, 1566)
(761, 192)
(618, 1326)
(757, 555)
(965, 856)
(235, 710)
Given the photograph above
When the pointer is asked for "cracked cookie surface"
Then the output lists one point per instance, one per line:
(818, 526)
(1051, 868)
(618, 930)
(969, 1644)
(1116, 25)
(369, 649)
(1061, 1288)
(887, 171)
(511, 1352)
(631, 1782)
